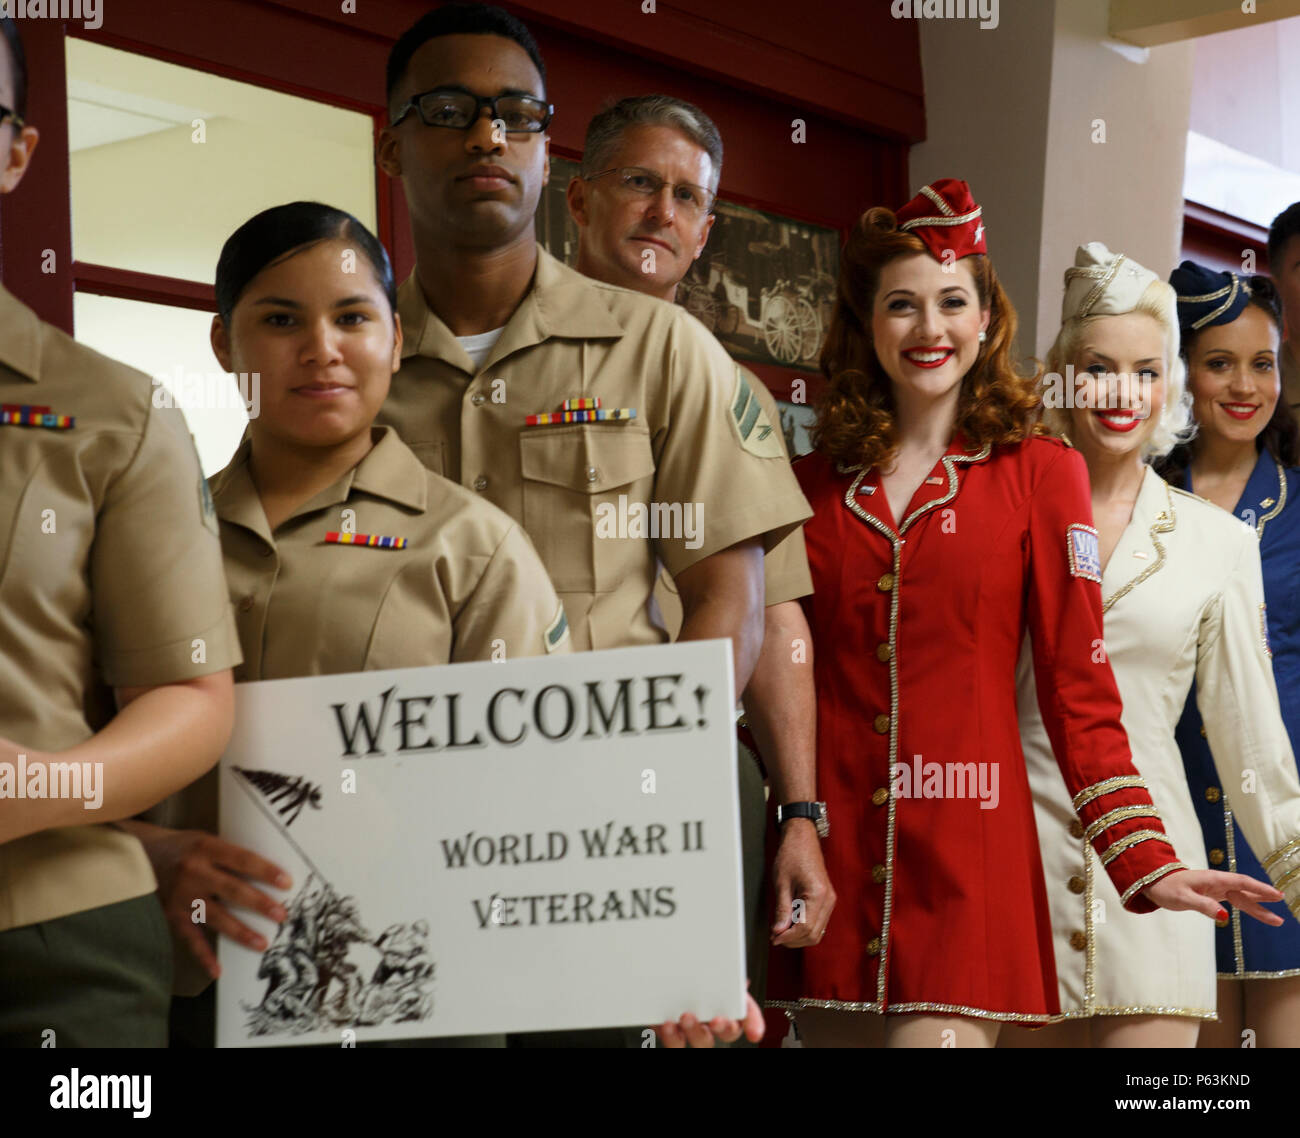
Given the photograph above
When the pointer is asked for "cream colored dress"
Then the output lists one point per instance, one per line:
(1183, 599)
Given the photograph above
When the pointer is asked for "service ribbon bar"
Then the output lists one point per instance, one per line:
(13, 415)
(590, 416)
(372, 539)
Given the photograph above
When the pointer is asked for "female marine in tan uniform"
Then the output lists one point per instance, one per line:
(343, 553)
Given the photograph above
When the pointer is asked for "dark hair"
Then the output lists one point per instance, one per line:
(459, 20)
(607, 127)
(18, 58)
(1281, 434)
(284, 229)
(1285, 226)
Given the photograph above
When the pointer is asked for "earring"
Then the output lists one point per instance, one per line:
(983, 335)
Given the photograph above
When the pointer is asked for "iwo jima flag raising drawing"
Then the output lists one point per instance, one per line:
(475, 848)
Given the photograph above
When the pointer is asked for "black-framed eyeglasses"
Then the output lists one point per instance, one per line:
(6, 115)
(460, 110)
(639, 180)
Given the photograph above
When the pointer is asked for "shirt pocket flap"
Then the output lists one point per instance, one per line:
(590, 459)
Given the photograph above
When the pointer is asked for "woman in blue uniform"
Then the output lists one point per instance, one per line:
(1245, 458)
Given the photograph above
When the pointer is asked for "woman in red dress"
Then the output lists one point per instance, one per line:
(945, 530)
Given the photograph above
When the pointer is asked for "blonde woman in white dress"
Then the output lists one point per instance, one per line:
(1183, 598)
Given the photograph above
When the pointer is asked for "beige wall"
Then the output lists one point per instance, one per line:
(1128, 191)
(1023, 138)
(991, 131)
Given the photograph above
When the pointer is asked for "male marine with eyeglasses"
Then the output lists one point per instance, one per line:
(643, 203)
(500, 337)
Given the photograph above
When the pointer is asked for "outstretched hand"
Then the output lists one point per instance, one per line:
(1203, 889)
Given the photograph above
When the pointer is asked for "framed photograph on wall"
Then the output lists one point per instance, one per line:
(764, 285)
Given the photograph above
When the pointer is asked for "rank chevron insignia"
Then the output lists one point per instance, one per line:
(758, 434)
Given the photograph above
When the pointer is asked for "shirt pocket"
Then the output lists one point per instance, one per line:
(575, 476)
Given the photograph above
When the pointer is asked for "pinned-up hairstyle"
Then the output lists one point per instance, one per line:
(855, 421)
(282, 230)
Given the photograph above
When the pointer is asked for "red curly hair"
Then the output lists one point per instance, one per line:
(855, 416)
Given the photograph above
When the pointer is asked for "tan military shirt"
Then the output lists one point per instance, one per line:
(785, 567)
(465, 585)
(110, 576)
(696, 470)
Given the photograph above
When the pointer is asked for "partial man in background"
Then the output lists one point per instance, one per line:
(1284, 268)
(643, 203)
(502, 339)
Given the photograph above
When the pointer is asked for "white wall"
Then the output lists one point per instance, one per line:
(1012, 110)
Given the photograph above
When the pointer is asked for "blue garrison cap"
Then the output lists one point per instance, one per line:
(1207, 297)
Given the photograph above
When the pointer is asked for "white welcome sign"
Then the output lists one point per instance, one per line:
(547, 843)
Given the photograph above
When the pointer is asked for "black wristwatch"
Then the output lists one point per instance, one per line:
(814, 811)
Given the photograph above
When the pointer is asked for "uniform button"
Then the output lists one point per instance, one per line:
(881, 724)
(1216, 857)
(879, 796)
(1222, 922)
(1076, 829)
(873, 946)
(1078, 941)
(478, 399)
(592, 474)
(480, 483)
(885, 583)
(878, 874)
(1077, 884)
(1203, 735)
(1212, 794)
(884, 652)
(246, 604)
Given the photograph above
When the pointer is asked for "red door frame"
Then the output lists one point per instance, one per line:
(278, 45)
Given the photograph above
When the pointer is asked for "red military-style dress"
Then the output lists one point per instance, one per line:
(917, 629)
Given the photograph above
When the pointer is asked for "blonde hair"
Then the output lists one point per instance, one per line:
(1175, 424)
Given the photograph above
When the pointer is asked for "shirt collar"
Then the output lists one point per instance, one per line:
(390, 470)
(20, 337)
(559, 303)
(1264, 488)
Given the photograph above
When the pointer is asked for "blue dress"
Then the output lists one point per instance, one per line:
(1247, 949)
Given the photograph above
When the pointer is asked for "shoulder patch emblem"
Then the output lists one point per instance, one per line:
(557, 632)
(1084, 551)
(207, 508)
(758, 435)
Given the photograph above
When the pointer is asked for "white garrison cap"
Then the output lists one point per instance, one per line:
(1103, 283)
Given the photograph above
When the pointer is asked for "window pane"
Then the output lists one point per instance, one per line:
(171, 346)
(167, 161)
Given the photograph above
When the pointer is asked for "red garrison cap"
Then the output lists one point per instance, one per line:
(946, 218)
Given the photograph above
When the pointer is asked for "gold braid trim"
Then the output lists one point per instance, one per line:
(1107, 786)
(1119, 814)
(1133, 839)
(1142, 882)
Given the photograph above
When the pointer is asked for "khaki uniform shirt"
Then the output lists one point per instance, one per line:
(466, 585)
(785, 567)
(110, 576)
(699, 446)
